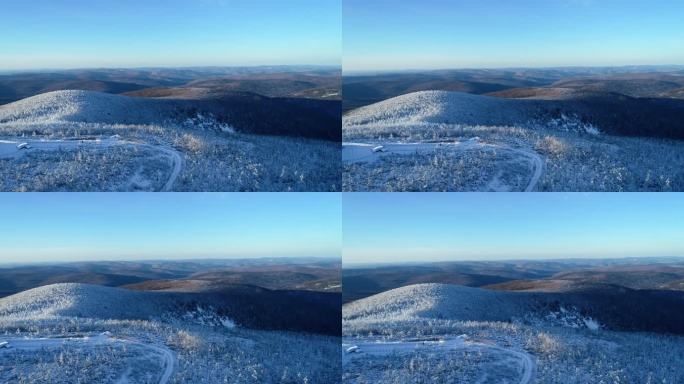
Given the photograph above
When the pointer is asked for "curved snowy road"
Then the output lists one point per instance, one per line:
(536, 163)
(526, 363)
(177, 162)
(10, 148)
(351, 351)
(370, 153)
(30, 344)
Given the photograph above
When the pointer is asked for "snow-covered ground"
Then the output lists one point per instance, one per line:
(167, 357)
(17, 148)
(370, 153)
(519, 365)
(360, 153)
(90, 141)
(519, 149)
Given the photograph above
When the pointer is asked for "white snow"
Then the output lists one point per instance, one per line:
(571, 317)
(208, 316)
(353, 349)
(591, 324)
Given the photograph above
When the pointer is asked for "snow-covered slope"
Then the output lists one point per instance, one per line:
(86, 106)
(84, 300)
(459, 303)
(445, 107)
(229, 306)
(437, 301)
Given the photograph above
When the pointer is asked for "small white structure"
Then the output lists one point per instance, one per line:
(4, 344)
(23, 146)
(353, 349)
(379, 148)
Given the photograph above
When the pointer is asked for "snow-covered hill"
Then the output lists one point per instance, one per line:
(231, 305)
(445, 107)
(591, 306)
(415, 304)
(86, 107)
(84, 300)
(439, 301)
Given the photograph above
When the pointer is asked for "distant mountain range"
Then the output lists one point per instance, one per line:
(635, 81)
(188, 276)
(275, 81)
(532, 276)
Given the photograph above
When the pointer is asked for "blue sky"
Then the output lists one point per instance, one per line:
(120, 226)
(429, 34)
(136, 33)
(408, 227)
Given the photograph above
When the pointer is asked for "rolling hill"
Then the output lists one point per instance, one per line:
(633, 277)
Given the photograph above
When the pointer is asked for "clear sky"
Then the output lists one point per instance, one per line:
(429, 34)
(137, 33)
(410, 227)
(127, 226)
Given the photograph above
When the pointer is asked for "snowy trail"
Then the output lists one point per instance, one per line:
(32, 344)
(177, 161)
(537, 167)
(362, 152)
(9, 149)
(169, 361)
(365, 153)
(527, 365)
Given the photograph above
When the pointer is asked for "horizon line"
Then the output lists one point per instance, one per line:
(585, 258)
(222, 258)
(467, 68)
(171, 67)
